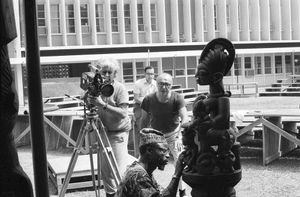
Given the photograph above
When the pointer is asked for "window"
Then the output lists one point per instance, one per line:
(41, 19)
(154, 65)
(297, 64)
(216, 17)
(278, 64)
(140, 70)
(229, 73)
(228, 16)
(84, 14)
(257, 64)
(100, 20)
(204, 18)
(140, 16)
(248, 63)
(153, 17)
(288, 64)
(70, 19)
(55, 18)
(237, 66)
(179, 72)
(114, 17)
(191, 63)
(268, 68)
(127, 17)
(169, 72)
(128, 72)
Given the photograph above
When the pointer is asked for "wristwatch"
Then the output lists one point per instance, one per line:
(175, 177)
(105, 106)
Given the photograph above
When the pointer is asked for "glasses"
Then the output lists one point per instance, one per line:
(164, 151)
(167, 85)
(104, 72)
(149, 73)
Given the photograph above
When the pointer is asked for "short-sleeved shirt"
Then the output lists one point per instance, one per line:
(164, 116)
(143, 88)
(119, 96)
(136, 182)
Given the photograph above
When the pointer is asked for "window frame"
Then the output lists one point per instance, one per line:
(42, 29)
(70, 18)
(127, 19)
(216, 17)
(140, 18)
(114, 18)
(153, 17)
(100, 18)
(258, 65)
(228, 15)
(86, 18)
(204, 18)
(268, 64)
(57, 18)
(278, 66)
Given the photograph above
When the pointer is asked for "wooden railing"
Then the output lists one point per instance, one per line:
(243, 88)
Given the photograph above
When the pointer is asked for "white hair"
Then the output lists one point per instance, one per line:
(109, 62)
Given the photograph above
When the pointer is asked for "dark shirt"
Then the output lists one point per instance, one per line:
(164, 116)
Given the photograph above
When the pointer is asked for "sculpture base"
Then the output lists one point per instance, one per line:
(215, 185)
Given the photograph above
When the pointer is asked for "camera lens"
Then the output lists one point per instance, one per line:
(107, 90)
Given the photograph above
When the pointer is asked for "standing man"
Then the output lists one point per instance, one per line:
(167, 111)
(113, 111)
(142, 88)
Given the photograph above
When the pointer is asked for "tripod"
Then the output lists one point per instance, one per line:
(91, 119)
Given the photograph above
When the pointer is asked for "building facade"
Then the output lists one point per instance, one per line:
(167, 34)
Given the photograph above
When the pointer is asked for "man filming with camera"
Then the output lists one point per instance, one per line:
(113, 112)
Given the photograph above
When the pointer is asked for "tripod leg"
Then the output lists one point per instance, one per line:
(74, 158)
(99, 167)
(92, 164)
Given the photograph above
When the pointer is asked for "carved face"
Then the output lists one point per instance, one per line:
(204, 75)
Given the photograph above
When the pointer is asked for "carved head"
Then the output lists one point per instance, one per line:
(215, 61)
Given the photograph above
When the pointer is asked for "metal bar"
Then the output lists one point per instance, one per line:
(35, 101)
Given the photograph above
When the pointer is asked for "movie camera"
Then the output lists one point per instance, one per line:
(93, 83)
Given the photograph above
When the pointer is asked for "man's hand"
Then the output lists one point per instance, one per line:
(180, 164)
(178, 144)
(97, 101)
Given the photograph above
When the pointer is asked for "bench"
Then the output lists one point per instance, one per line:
(81, 176)
(280, 131)
(183, 90)
(279, 93)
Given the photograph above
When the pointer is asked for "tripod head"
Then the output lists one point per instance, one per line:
(92, 110)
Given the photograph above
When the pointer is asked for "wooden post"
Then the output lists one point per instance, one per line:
(35, 101)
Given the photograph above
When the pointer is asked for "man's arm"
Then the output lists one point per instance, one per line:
(138, 99)
(183, 115)
(144, 120)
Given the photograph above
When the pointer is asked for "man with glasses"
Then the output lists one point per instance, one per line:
(142, 88)
(167, 111)
(138, 180)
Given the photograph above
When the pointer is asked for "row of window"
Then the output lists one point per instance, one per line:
(55, 18)
(256, 68)
(55, 15)
(250, 68)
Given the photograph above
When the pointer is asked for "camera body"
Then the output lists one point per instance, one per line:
(94, 84)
